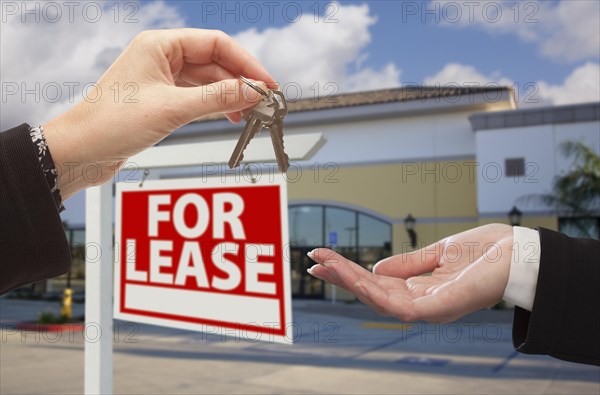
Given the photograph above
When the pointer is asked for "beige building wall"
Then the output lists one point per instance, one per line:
(440, 195)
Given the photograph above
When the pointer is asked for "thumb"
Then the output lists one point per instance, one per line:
(410, 264)
(226, 96)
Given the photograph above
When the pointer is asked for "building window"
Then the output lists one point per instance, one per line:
(514, 167)
(360, 237)
(374, 240)
(341, 230)
(303, 231)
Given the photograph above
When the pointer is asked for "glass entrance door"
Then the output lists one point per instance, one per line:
(303, 284)
(359, 237)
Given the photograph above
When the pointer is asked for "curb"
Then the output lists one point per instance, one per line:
(37, 327)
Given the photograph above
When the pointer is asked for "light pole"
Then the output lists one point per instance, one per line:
(409, 223)
(514, 216)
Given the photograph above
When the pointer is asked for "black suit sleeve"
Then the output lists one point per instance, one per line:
(33, 245)
(565, 318)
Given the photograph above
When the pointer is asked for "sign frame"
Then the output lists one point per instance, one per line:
(241, 329)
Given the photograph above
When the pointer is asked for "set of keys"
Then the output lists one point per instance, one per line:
(268, 113)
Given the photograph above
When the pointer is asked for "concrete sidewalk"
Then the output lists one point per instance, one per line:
(339, 349)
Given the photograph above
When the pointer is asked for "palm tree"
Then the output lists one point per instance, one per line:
(576, 193)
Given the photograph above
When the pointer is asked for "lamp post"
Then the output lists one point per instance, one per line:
(409, 223)
(514, 216)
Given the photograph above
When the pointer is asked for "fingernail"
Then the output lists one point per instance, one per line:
(374, 270)
(311, 254)
(310, 270)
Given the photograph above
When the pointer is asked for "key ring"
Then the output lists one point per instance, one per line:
(253, 86)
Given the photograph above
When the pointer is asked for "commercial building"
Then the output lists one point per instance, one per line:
(451, 158)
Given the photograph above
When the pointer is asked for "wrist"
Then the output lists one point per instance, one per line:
(66, 140)
(57, 139)
(505, 242)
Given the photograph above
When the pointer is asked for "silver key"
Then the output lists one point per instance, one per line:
(259, 116)
(276, 129)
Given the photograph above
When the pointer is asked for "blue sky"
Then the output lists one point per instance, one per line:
(550, 47)
(421, 43)
(420, 48)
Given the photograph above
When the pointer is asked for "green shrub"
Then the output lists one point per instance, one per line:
(48, 317)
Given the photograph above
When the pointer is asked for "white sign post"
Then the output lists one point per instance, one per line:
(98, 290)
(99, 248)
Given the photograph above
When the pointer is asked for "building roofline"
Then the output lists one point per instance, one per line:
(405, 94)
(394, 103)
(572, 113)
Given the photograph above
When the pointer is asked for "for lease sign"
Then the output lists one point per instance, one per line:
(202, 254)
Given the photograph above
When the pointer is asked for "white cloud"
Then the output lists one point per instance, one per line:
(371, 79)
(56, 55)
(564, 31)
(68, 52)
(582, 85)
(311, 54)
(463, 75)
(576, 31)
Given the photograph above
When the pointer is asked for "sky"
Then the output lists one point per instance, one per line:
(549, 51)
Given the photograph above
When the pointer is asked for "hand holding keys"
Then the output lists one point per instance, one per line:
(268, 113)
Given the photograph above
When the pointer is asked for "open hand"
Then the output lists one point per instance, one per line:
(469, 271)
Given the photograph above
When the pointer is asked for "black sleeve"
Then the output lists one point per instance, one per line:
(33, 245)
(565, 318)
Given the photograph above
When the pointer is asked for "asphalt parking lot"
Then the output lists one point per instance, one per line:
(338, 349)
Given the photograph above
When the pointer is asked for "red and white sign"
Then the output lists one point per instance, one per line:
(203, 254)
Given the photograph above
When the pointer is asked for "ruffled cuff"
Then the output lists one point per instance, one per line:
(38, 139)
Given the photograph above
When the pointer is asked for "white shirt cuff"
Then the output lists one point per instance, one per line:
(524, 268)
